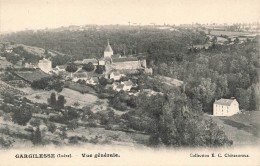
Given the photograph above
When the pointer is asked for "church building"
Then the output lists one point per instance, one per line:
(108, 51)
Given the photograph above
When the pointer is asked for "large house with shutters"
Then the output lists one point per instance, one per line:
(225, 107)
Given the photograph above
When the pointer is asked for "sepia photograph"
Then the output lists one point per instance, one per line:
(129, 82)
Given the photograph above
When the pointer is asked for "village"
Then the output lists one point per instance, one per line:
(113, 98)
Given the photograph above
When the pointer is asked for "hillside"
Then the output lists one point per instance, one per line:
(242, 128)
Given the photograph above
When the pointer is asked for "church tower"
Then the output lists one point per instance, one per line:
(108, 51)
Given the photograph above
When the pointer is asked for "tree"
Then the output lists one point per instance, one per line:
(46, 52)
(22, 115)
(56, 84)
(236, 41)
(60, 102)
(40, 84)
(214, 40)
(11, 57)
(71, 68)
(52, 100)
(35, 122)
(37, 137)
(100, 69)
(89, 67)
(52, 127)
(103, 81)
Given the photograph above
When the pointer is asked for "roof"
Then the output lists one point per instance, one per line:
(86, 61)
(44, 61)
(115, 83)
(109, 86)
(61, 67)
(80, 75)
(108, 48)
(226, 102)
(120, 86)
(115, 60)
(115, 73)
(128, 83)
(94, 74)
(129, 71)
(95, 79)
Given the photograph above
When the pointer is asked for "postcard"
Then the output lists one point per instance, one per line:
(129, 82)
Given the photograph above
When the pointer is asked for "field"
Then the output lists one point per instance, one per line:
(242, 128)
(4, 63)
(80, 88)
(169, 81)
(32, 75)
(71, 96)
(229, 33)
(36, 50)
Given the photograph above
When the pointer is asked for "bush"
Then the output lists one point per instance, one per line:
(92, 124)
(73, 124)
(63, 135)
(29, 129)
(51, 127)
(94, 140)
(22, 115)
(37, 97)
(5, 143)
(89, 67)
(7, 117)
(74, 139)
(76, 104)
(35, 122)
(43, 106)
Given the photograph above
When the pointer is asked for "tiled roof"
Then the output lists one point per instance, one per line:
(226, 102)
(115, 60)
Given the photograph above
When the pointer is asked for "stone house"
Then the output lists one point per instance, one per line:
(225, 107)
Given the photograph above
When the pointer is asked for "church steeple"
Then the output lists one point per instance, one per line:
(108, 51)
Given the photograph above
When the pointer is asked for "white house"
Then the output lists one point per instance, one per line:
(30, 65)
(102, 62)
(92, 80)
(115, 75)
(9, 49)
(127, 85)
(45, 65)
(61, 68)
(119, 87)
(225, 107)
(80, 76)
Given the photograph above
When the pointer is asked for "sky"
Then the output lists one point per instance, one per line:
(18, 15)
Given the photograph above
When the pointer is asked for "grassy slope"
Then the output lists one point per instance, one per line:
(242, 128)
(71, 96)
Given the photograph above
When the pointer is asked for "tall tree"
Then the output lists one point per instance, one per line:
(37, 137)
(52, 100)
(60, 102)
